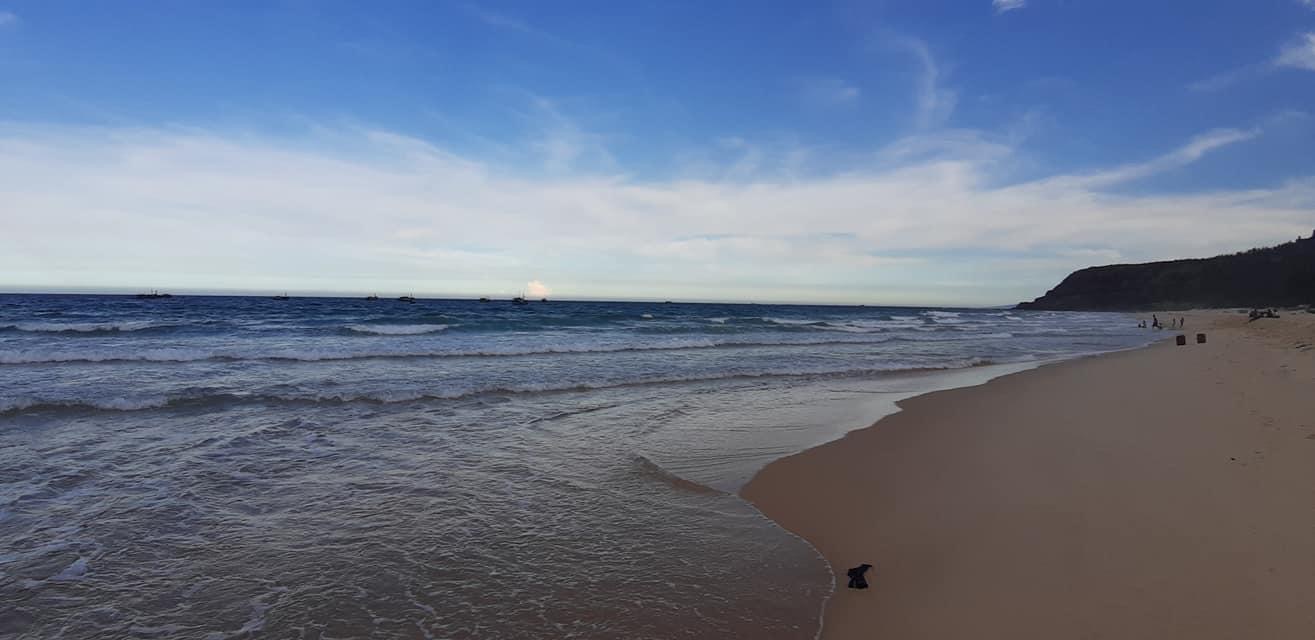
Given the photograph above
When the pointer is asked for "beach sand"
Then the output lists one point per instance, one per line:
(1166, 492)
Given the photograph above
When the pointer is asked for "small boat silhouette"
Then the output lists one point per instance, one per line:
(153, 295)
(282, 297)
(372, 297)
(407, 299)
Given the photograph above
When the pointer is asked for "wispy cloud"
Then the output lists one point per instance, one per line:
(1002, 6)
(8, 19)
(1299, 54)
(507, 22)
(828, 91)
(1221, 81)
(933, 102)
(519, 26)
(562, 142)
(1193, 150)
(378, 210)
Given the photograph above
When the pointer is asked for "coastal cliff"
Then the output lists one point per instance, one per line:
(1278, 276)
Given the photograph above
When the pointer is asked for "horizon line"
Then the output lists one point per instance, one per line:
(225, 293)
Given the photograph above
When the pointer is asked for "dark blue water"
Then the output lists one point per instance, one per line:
(228, 467)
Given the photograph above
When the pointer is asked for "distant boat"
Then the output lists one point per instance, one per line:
(372, 297)
(543, 299)
(520, 299)
(283, 297)
(153, 295)
(407, 299)
(483, 299)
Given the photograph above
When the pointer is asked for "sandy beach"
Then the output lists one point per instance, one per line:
(1166, 492)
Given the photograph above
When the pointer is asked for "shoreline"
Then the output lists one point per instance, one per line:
(1033, 505)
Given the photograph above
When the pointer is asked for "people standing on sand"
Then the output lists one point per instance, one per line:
(1155, 321)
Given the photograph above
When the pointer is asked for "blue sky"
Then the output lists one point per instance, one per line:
(966, 152)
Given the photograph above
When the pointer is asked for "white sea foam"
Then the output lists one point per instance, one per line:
(25, 405)
(80, 327)
(170, 354)
(398, 329)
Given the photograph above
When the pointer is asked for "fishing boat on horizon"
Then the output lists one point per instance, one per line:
(372, 297)
(407, 299)
(154, 295)
(282, 297)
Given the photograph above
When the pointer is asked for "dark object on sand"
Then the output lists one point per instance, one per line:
(1182, 339)
(1200, 338)
(856, 579)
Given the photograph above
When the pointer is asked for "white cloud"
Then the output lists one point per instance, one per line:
(362, 210)
(1299, 53)
(537, 289)
(7, 19)
(1002, 6)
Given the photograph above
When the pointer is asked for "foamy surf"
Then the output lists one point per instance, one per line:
(429, 452)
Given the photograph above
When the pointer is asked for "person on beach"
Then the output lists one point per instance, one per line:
(1155, 321)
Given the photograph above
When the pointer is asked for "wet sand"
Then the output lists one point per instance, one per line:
(1166, 492)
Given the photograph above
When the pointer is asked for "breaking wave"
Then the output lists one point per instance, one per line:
(181, 354)
(397, 329)
(82, 327)
(205, 398)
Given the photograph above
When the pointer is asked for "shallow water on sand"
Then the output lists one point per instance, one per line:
(229, 467)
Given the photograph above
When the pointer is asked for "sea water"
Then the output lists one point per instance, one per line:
(229, 467)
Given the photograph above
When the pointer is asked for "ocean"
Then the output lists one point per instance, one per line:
(233, 467)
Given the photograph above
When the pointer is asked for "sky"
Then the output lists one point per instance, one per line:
(965, 152)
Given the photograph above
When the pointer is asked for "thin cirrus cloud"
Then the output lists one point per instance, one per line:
(8, 19)
(933, 101)
(1002, 6)
(1299, 54)
(358, 209)
(828, 91)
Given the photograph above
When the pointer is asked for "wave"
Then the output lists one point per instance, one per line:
(185, 355)
(173, 354)
(82, 327)
(397, 329)
(13, 406)
(652, 470)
